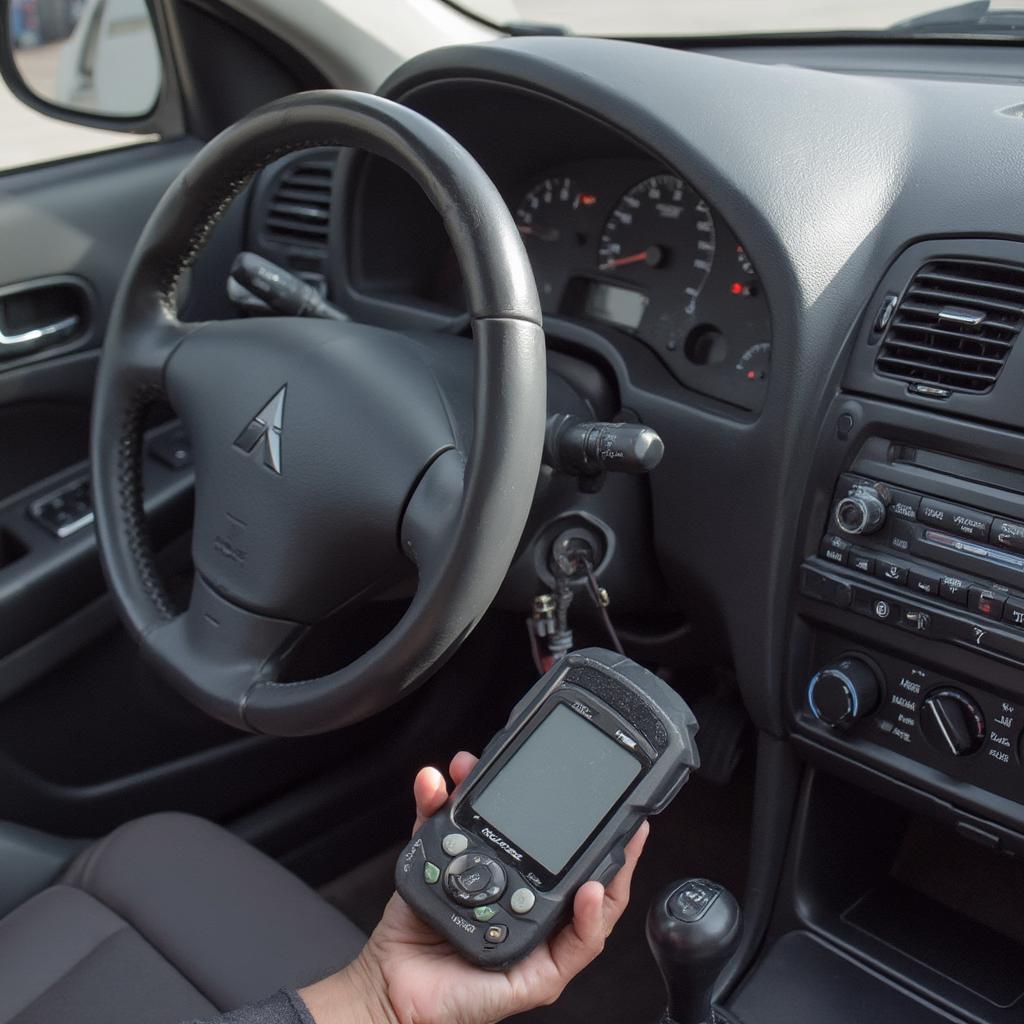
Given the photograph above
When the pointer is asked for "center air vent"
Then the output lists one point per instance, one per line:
(955, 325)
(299, 209)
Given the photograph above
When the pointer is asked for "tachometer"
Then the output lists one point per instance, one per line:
(549, 220)
(661, 231)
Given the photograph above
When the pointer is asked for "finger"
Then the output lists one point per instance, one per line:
(583, 938)
(462, 764)
(430, 792)
(616, 896)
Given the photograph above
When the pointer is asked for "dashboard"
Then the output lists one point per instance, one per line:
(793, 276)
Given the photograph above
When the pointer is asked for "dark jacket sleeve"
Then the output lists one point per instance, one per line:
(284, 1007)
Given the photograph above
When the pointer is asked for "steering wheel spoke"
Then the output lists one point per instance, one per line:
(432, 514)
(217, 651)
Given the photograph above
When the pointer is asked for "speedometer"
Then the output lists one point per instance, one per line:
(660, 233)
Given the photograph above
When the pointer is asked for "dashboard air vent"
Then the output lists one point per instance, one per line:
(299, 210)
(955, 325)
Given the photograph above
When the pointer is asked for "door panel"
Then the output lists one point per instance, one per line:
(89, 736)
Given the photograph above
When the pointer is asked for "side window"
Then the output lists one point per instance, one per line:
(97, 56)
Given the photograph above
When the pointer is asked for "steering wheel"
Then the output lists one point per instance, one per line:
(326, 454)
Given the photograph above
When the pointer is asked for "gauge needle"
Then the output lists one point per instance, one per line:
(539, 232)
(651, 256)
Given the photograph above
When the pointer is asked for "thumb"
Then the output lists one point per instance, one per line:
(430, 792)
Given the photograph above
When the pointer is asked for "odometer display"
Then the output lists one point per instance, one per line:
(621, 306)
(660, 236)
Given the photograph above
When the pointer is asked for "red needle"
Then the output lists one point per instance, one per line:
(624, 261)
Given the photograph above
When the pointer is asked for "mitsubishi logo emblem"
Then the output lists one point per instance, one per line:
(264, 429)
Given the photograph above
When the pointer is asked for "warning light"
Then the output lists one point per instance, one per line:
(751, 375)
(738, 288)
(587, 198)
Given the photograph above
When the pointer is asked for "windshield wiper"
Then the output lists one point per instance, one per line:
(974, 18)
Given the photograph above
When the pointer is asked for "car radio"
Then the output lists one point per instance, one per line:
(949, 572)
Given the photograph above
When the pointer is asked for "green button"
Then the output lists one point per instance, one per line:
(485, 913)
(431, 873)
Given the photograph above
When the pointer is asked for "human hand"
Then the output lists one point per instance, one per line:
(408, 974)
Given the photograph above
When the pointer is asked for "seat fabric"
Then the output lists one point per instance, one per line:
(169, 918)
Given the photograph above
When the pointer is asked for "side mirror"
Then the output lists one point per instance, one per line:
(96, 62)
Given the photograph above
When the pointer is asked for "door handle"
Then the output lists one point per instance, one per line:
(44, 317)
(66, 325)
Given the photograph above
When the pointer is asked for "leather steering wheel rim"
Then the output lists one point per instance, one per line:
(462, 522)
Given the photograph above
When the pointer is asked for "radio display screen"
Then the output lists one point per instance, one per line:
(556, 788)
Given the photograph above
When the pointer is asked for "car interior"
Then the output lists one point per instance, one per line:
(330, 420)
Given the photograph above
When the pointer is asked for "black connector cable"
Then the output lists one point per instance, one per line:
(600, 598)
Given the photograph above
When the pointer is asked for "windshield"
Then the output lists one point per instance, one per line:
(637, 18)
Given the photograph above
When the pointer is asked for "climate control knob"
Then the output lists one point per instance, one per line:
(844, 692)
(953, 722)
(863, 511)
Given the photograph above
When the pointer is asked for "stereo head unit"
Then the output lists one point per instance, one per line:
(950, 572)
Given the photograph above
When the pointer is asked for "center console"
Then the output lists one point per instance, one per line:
(907, 648)
(904, 689)
(921, 562)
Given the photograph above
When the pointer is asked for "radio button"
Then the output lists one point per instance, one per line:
(454, 844)
(862, 561)
(1008, 534)
(834, 549)
(902, 536)
(892, 572)
(986, 602)
(522, 900)
(496, 934)
(1013, 612)
(903, 504)
(916, 620)
(923, 582)
(484, 914)
(953, 589)
(955, 519)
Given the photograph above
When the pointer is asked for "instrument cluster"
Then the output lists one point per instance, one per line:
(629, 246)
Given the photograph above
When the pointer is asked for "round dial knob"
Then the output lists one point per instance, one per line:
(953, 722)
(844, 692)
(860, 512)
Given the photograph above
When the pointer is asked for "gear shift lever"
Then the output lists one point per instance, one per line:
(693, 928)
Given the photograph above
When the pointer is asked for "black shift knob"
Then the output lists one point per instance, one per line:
(693, 928)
